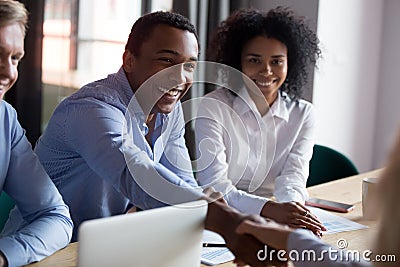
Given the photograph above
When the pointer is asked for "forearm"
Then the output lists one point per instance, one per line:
(302, 240)
(155, 183)
(219, 213)
(291, 187)
(238, 199)
(37, 240)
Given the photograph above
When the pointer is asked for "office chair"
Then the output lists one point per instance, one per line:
(328, 164)
(6, 204)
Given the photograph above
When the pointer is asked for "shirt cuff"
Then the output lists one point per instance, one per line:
(11, 251)
(293, 196)
(246, 203)
(303, 241)
(297, 237)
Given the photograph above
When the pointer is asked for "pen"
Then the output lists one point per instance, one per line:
(211, 245)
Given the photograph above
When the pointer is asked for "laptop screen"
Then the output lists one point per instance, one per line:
(163, 237)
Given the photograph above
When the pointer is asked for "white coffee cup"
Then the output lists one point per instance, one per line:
(369, 198)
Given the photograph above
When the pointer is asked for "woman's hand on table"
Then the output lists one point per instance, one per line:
(293, 214)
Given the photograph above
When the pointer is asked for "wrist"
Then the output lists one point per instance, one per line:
(218, 215)
(267, 210)
(280, 237)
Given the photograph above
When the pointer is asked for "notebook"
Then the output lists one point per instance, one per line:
(214, 250)
(163, 237)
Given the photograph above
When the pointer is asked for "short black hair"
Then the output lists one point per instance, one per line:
(280, 23)
(143, 27)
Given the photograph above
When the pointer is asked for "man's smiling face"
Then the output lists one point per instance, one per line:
(168, 49)
(11, 52)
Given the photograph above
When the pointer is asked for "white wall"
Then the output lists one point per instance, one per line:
(346, 85)
(388, 105)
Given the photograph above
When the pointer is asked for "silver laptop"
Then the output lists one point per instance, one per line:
(164, 237)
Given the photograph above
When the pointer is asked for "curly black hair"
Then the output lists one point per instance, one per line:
(143, 27)
(280, 23)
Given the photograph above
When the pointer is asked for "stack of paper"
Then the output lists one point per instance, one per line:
(335, 223)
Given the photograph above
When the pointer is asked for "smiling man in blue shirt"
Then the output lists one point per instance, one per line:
(81, 148)
(40, 224)
(110, 145)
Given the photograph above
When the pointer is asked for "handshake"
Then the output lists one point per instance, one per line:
(247, 235)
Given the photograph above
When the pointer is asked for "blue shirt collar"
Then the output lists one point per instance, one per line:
(126, 89)
(134, 106)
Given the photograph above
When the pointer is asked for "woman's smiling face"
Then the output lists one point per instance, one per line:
(265, 61)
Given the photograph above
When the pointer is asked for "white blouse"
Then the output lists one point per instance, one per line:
(249, 157)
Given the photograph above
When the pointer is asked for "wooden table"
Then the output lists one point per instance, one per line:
(346, 190)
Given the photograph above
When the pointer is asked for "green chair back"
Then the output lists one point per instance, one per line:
(6, 204)
(328, 164)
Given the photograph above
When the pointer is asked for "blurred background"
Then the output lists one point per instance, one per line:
(355, 89)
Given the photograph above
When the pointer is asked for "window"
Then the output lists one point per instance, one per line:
(84, 41)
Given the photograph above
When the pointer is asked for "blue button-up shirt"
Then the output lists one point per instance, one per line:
(99, 171)
(40, 224)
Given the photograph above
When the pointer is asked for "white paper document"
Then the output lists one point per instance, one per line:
(217, 255)
(214, 255)
(335, 223)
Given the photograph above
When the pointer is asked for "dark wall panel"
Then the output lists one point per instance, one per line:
(26, 96)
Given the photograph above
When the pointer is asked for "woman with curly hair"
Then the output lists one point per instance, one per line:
(255, 135)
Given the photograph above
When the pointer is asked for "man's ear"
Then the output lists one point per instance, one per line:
(128, 61)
